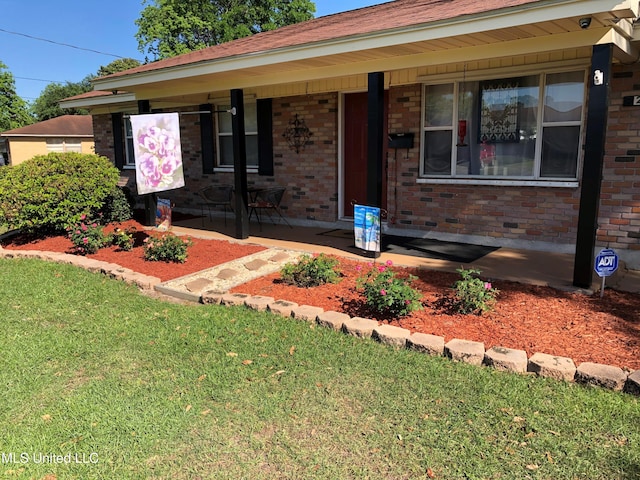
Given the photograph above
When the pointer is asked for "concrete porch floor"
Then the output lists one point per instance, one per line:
(525, 266)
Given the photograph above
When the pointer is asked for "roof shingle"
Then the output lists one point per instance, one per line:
(367, 20)
(64, 126)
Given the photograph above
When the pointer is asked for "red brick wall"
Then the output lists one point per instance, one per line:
(619, 215)
(103, 136)
(311, 175)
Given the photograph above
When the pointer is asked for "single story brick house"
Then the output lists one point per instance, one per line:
(67, 133)
(498, 122)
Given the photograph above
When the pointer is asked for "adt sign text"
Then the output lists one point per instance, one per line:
(606, 262)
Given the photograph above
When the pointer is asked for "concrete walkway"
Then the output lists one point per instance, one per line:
(525, 266)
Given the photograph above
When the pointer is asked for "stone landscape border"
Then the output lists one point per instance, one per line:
(499, 358)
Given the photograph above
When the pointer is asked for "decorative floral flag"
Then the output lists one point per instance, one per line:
(156, 146)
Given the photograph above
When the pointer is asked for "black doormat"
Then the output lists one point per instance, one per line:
(429, 248)
(424, 247)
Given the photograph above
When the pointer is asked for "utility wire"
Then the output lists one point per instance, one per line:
(39, 80)
(58, 43)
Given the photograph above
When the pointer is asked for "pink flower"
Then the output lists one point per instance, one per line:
(85, 240)
(84, 227)
(148, 142)
(170, 164)
(407, 302)
(487, 286)
(83, 216)
(389, 263)
(94, 225)
(358, 268)
(381, 268)
(149, 166)
(383, 292)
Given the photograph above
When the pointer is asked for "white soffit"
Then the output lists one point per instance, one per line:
(104, 100)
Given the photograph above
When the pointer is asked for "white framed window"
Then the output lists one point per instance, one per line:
(64, 145)
(519, 128)
(224, 136)
(129, 158)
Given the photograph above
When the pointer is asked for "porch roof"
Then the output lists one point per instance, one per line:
(385, 37)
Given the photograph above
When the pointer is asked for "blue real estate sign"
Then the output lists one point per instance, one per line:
(606, 262)
(366, 227)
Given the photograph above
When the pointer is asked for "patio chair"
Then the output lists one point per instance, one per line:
(266, 200)
(216, 196)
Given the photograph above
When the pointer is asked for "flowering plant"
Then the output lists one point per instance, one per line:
(166, 248)
(87, 236)
(123, 239)
(311, 271)
(473, 295)
(387, 293)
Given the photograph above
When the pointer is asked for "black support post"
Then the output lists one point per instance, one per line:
(375, 136)
(150, 199)
(595, 137)
(239, 164)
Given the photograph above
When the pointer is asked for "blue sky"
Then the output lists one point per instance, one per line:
(106, 27)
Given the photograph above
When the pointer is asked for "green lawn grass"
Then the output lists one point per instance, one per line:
(131, 387)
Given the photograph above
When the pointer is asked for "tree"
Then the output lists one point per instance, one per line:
(14, 111)
(167, 28)
(46, 105)
(118, 66)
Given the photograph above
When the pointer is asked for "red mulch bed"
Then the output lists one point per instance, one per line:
(531, 318)
(203, 254)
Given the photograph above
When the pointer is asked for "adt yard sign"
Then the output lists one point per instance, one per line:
(606, 262)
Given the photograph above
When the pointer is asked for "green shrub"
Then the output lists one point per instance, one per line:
(387, 293)
(473, 295)
(117, 207)
(311, 271)
(166, 248)
(48, 193)
(87, 236)
(123, 239)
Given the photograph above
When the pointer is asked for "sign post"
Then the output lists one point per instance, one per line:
(606, 264)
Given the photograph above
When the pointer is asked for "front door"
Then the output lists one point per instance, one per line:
(355, 151)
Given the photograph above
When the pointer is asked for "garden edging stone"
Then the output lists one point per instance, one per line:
(632, 386)
(605, 376)
(551, 366)
(144, 282)
(465, 351)
(506, 359)
(391, 335)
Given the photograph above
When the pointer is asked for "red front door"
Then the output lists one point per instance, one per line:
(355, 151)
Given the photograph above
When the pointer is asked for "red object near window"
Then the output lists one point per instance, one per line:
(462, 131)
